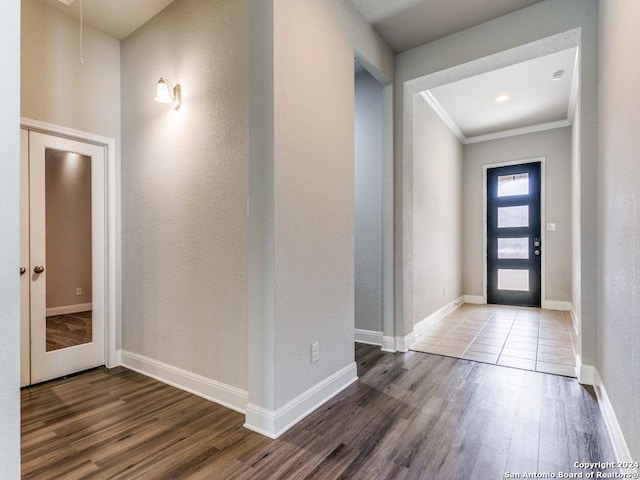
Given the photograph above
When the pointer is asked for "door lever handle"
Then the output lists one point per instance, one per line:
(38, 269)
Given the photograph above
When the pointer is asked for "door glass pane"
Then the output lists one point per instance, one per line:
(513, 280)
(513, 248)
(509, 185)
(513, 216)
(68, 249)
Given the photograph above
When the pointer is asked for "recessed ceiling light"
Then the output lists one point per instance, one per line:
(557, 75)
(502, 98)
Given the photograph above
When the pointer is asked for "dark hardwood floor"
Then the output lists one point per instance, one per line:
(69, 330)
(410, 416)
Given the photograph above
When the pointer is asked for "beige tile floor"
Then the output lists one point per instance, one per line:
(520, 337)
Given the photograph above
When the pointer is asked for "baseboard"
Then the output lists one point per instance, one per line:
(370, 337)
(403, 344)
(620, 448)
(557, 305)
(272, 423)
(69, 309)
(436, 316)
(575, 320)
(388, 344)
(476, 299)
(586, 373)
(218, 392)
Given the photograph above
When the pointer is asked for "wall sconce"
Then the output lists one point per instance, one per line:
(167, 93)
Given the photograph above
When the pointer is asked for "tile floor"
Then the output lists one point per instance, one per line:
(519, 337)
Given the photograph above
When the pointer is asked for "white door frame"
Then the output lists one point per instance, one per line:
(543, 294)
(112, 233)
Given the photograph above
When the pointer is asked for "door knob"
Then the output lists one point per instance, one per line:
(22, 270)
(38, 269)
(537, 252)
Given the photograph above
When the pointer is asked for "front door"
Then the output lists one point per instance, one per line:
(63, 256)
(514, 245)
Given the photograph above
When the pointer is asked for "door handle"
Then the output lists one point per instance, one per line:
(537, 252)
(23, 270)
(38, 269)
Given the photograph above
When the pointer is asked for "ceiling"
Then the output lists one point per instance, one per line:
(406, 24)
(536, 101)
(117, 18)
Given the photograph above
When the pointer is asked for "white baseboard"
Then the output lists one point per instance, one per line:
(557, 305)
(403, 344)
(69, 309)
(586, 373)
(620, 448)
(436, 316)
(218, 392)
(388, 344)
(370, 337)
(272, 423)
(575, 320)
(477, 299)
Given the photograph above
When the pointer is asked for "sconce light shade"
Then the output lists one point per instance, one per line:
(167, 93)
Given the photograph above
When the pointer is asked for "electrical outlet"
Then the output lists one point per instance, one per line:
(78, 291)
(315, 352)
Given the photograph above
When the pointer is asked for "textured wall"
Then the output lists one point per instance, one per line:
(313, 122)
(368, 154)
(619, 213)
(555, 146)
(10, 242)
(437, 212)
(56, 88)
(68, 228)
(184, 190)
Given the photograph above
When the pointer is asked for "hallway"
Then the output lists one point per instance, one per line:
(518, 337)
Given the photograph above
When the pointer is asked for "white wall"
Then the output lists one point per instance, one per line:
(56, 88)
(10, 242)
(619, 213)
(437, 212)
(184, 191)
(369, 157)
(555, 146)
(301, 265)
(486, 43)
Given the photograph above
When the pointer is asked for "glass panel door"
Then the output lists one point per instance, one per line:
(513, 235)
(67, 256)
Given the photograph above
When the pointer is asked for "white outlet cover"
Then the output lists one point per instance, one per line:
(551, 227)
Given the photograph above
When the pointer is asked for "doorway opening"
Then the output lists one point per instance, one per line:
(373, 206)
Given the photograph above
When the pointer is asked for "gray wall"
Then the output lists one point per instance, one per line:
(619, 213)
(184, 190)
(55, 87)
(10, 242)
(437, 212)
(301, 260)
(555, 146)
(68, 228)
(369, 153)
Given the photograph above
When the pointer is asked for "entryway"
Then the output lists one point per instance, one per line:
(526, 338)
(63, 256)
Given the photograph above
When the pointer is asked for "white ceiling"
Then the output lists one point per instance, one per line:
(406, 24)
(117, 18)
(536, 102)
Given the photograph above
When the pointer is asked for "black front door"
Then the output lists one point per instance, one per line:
(513, 235)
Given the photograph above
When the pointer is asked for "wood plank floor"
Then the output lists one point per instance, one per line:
(410, 416)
